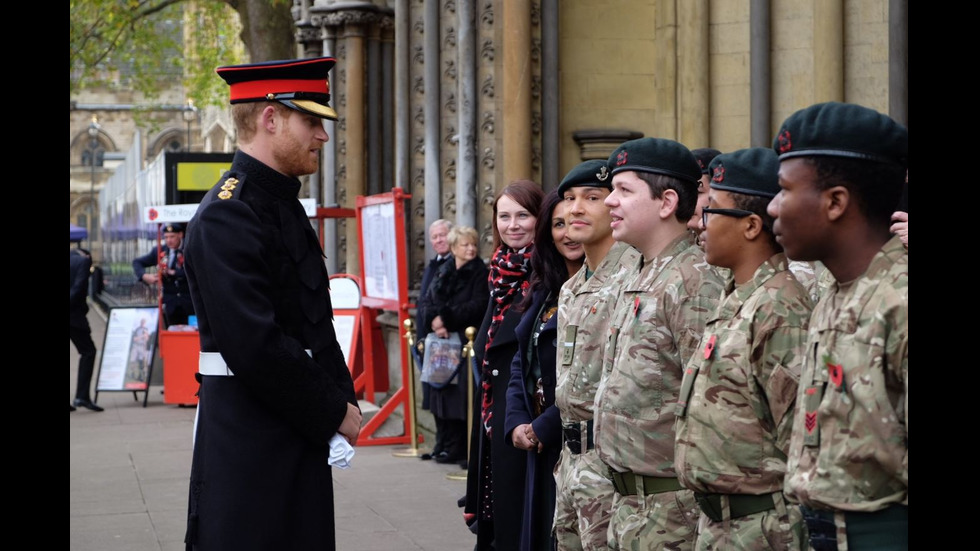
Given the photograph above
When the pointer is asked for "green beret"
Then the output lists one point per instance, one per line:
(753, 171)
(704, 156)
(656, 155)
(843, 130)
(593, 173)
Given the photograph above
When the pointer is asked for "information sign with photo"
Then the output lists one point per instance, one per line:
(128, 349)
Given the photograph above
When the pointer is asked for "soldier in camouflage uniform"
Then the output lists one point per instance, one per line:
(842, 168)
(584, 491)
(737, 397)
(656, 328)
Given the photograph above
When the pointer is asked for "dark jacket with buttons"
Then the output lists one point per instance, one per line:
(260, 477)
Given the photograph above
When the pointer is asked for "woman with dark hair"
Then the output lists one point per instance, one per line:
(456, 299)
(533, 421)
(494, 495)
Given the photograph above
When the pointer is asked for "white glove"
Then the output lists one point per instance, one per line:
(341, 452)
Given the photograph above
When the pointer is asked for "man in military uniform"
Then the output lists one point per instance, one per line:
(842, 168)
(584, 492)
(275, 392)
(704, 156)
(655, 331)
(735, 410)
(169, 262)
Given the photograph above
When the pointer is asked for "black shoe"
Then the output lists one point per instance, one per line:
(71, 408)
(446, 458)
(426, 456)
(461, 502)
(463, 465)
(87, 404)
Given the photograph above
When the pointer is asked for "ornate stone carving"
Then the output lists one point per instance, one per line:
(451, 103)
(307, 34)
(419, 145)
(488, 158)
(450, 135)
(536, 158)
(449, 41)
(536, 122)
(342, 146)
(536, 87)
(450, 70)
(486, 16)
(535, 13)
(419, 85)
(487, 87)
(487, 125)
(418, 55)
(419, 115)
(450, 172)
(536, 49)
(348, 17)
(487, 50)
(450, 6)
(419, 26)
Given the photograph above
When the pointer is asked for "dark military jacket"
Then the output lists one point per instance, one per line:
(260, 477)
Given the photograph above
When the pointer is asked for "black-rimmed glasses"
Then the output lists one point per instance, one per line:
(737, 213)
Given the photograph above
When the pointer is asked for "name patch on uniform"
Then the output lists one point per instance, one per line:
(568, 345)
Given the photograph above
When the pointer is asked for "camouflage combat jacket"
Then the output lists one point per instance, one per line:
(656, 329)
(735, 411)
(850, 444)
(585, 308)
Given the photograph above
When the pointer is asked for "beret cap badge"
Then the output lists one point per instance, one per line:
(603, 173)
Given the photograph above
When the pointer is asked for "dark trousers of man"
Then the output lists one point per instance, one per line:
(81, 337)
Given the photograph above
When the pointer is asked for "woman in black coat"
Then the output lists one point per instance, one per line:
(495, 482)
(533, 422)
(456, 299)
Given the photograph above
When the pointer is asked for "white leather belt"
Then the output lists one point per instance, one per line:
(211, 363)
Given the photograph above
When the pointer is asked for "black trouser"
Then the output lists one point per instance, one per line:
(451, 438)
(887, 529)
(81, 337)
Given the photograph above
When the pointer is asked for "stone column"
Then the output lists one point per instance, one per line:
(760, 74)
(898, 60)
(693, 98)
(373, 111)
(430, 77)
(551, 174)
(329, 169)
(354, 124)
(828, 50)
(516, 94)
(466, 148)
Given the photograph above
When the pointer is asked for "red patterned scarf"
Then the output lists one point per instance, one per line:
(509, 274)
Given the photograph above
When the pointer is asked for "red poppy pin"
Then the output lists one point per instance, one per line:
(835, 372)
(785, 143)
(621, 158)
(719, 174)
(636, 305)
(710, 347)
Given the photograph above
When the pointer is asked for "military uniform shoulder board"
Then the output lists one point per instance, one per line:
(231, 186)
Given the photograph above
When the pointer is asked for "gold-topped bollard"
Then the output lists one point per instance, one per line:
(413, 450)
(467, 355)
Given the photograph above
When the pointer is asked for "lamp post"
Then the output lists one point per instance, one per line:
(93, 147)
(189, 114)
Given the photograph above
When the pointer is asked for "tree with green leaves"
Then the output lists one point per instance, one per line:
(148, 45)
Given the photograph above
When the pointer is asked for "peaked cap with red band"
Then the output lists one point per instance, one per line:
(300, 84)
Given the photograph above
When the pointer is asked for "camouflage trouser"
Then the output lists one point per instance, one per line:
(584, 501)
(666, 520)
(779, 529)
